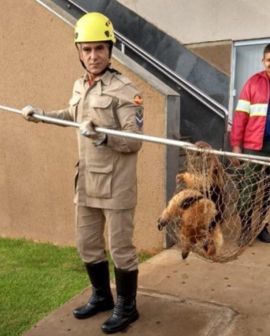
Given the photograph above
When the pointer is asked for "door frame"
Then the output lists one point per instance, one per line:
(233, 92)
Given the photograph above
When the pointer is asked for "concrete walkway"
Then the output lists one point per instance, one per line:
(189, 298)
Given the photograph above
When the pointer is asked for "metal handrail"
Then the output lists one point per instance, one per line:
(191, 89)
(165, 70)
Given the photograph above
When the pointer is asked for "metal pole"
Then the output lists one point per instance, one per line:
(143, 137)
(43, 117)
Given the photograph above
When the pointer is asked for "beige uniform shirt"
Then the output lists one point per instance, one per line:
(106, 173)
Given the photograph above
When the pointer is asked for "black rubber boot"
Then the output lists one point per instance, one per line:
(264, 235)
(101, 298)
(125, 311)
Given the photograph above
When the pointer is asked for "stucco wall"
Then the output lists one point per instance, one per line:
(38, 65)
(199, 21)
(218, 54)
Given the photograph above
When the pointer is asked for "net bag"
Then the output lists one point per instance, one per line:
(220, 205)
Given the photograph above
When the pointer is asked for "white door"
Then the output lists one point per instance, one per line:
(246, 61)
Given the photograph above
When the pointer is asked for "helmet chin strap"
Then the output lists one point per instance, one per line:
(82, 64)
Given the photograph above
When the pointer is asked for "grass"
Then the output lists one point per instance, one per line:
(35, 279)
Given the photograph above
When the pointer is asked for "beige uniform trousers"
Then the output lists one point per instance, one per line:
(90, 224)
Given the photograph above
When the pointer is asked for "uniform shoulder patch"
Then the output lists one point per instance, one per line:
(139, 116)
(138, 100)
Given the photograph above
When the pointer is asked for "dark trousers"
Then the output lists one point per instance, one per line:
(251, 175)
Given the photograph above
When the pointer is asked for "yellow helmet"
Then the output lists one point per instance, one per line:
(94, 27)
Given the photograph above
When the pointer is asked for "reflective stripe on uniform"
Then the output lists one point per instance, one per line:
(253, 110)
(243, 106)
(258, 110)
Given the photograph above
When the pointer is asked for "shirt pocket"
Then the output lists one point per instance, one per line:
(103, 114)
(98, 180)
(73, 105)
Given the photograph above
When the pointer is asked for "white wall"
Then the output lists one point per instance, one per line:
(195, 21)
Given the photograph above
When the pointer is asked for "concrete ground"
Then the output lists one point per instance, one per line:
(189, 298)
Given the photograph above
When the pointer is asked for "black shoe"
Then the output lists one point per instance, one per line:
(264, 235)
(125, 310)
(101, 299)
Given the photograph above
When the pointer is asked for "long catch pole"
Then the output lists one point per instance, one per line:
(144, 137)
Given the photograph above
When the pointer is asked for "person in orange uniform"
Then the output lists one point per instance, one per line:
(106, 183)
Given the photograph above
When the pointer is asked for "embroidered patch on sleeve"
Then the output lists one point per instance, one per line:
(139, 117)
(138, 100)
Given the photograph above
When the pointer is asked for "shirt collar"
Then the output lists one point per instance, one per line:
(105, 78)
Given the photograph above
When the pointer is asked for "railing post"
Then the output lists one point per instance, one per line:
(123, 48)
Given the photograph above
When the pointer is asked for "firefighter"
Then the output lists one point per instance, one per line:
(106, 189)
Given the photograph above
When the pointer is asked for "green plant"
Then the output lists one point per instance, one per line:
(36, 278)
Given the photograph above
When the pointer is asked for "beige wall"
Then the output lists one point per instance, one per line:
(218, 54)
(199, 21)
(38, 65)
